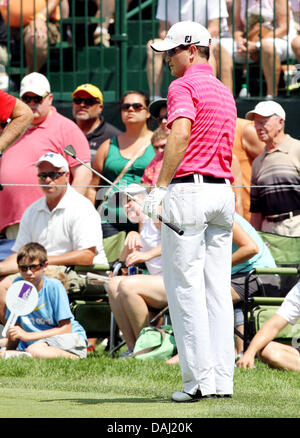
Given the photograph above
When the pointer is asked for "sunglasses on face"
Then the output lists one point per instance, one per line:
(161, 118)
(35, 99)
(88, 101)
(53, 175)
(32, 268)
(135, 106)
(172, 52)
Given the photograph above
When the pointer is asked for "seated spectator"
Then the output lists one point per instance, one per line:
(15, 117)
(122, 160)
(105, 10)
(63, 221)
(87, 112)
(131, 297)
(255, 46)
(248, 252)
(49, 132)
(276, 354)
(37, 30)
(201, 11)
(159, 111)
(50, 330)
(295, 7)
(158, 141)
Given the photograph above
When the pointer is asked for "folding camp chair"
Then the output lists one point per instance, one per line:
(286, 252)
(90, 306)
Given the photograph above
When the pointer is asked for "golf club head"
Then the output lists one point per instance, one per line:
(70, 150)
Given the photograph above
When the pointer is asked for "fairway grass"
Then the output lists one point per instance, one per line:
(102, 387)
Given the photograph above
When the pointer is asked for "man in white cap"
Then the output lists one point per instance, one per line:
(49, 132)
(275, 208)
(194, 184)
(63, 221)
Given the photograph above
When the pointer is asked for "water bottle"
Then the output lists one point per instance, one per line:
(244, 91)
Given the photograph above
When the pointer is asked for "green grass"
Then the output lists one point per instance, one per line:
(102, 387)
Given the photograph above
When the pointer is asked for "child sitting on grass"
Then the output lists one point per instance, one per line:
(50, 330)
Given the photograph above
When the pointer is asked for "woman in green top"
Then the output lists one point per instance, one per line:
(114, 154)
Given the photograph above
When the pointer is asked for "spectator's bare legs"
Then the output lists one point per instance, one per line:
(154, 68)
(239, 343)
(129, 298)
(268, 66)
(224, 66)
(44, 351)
(296, 47)
(35, 40)
(279, 355)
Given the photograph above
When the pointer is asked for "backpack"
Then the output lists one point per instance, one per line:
(155, 343)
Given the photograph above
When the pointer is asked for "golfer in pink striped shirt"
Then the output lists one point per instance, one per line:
(194, 185)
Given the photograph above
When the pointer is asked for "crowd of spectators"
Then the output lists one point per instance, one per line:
(38, 204)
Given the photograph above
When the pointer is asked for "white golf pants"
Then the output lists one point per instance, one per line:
(197, 273)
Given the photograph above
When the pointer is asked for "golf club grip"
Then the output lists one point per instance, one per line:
(173, 227)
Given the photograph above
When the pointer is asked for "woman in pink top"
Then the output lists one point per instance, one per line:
(194, 184)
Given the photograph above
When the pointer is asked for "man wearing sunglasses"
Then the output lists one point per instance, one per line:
(194, 185)
(49, 132)
(63, 221)
(87, 112)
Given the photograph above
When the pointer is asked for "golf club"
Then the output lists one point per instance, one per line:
(69, 150)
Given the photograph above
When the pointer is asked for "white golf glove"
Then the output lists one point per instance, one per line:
(153, 201)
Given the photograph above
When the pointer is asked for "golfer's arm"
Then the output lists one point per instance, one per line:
(78, 257)
(266, 334)
(21, 117)
(9, 265)
(177, 143)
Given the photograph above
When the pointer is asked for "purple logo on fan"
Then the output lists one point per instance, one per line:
(25, 291)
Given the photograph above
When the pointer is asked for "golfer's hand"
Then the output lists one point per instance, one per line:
(153, 201)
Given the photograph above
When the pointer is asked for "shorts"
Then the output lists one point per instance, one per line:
(269, 282)
(71, 342)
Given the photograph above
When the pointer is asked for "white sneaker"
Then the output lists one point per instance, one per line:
(9, 354)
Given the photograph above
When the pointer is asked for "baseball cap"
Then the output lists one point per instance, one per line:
(56, 160)
(91, 89)
(266, 109)
(156, 105)
(35, 83)
(186, 33)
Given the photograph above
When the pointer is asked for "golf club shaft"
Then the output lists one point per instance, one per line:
(159, 217)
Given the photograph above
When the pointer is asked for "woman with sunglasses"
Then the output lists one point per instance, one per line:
(116, 153)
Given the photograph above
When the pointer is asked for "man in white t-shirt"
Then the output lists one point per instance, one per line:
(276, 354)
(168, 13)
(63, 221)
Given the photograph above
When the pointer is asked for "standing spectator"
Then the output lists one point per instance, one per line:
(37, 31)
(275, 199)
(63, 221)
(50, 330)
(122, 160)
(87, 112)
(158, 110)
(168, 13)
(15, 117)
(49, 132)
(277, 49)
(194, 185)
(295, 6)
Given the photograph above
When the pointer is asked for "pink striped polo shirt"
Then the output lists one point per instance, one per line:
(199, 96)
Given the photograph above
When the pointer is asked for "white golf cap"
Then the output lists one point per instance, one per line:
(266, 109)
(135, 189)
(186, 33)
(56, 160)
(35, 83)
